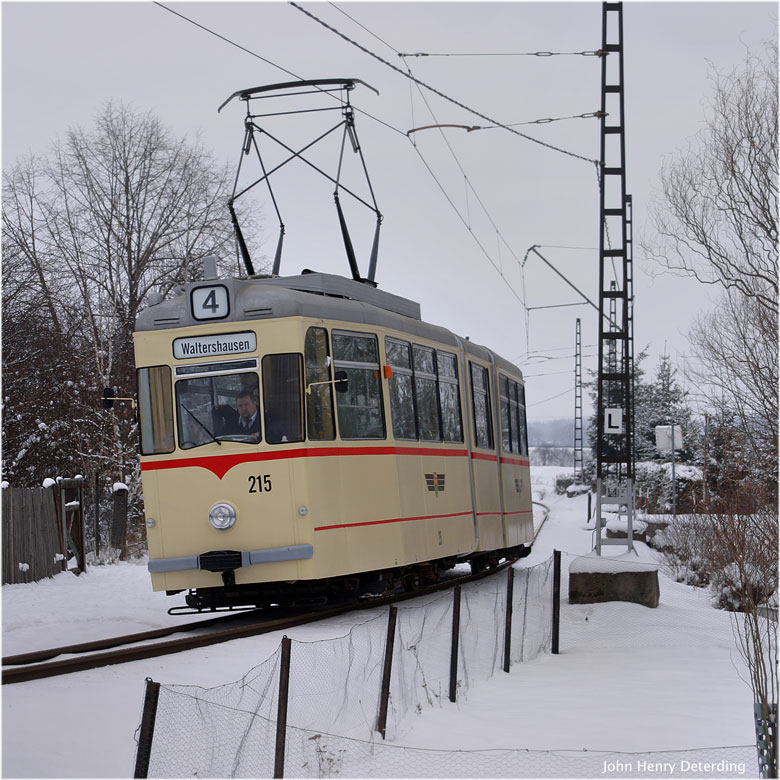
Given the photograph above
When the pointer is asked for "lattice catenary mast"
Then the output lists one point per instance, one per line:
(615, 417)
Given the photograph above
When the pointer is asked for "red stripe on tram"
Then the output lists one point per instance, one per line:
(392, 520)
(219, 465)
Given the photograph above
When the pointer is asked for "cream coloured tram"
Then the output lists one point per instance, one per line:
(379, 450)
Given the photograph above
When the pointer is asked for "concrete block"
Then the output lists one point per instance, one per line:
(602, 580)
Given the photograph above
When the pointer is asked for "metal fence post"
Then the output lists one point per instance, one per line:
(556, 615)
(146, 732)
(510, 584)
(766, 738)
(455, 637)
(281, 712)
(384, 697)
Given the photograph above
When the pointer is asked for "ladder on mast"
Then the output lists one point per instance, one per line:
(615, 414)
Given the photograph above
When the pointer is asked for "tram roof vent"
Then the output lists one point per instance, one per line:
(210, 267)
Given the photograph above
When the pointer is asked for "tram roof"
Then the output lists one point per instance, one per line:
(318, 295)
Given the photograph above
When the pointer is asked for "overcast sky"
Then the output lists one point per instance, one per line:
(458, 254)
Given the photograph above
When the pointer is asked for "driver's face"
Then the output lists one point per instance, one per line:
(246, 407)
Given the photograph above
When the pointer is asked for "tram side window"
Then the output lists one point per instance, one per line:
(480, 396)
(155, 410)
(426, 394)
(523, 420)
(506, 422)
(282, 398)
(401, 389)
(320, 422)
(449, 397)
(360, 411)
(513, 423)
(221, 407)
(515, 413)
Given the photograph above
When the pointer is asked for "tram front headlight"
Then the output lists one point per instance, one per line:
(222, 516)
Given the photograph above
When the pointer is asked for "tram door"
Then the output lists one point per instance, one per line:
(485, 459)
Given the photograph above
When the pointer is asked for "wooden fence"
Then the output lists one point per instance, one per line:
(42, 529)
(32, 543)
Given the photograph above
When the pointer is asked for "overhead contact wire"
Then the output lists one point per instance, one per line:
(469, 185)
(270, 62)
(436, 91)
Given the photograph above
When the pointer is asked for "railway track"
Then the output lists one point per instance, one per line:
(136, 647)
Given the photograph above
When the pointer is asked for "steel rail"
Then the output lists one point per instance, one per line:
(37, 656)
(38, 671)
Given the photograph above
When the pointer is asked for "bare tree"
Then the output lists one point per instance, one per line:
(737, 350)
(717, 218)
(113, 213)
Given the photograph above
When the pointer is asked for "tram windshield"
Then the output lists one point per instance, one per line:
(218, 408)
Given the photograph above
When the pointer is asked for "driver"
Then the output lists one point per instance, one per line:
(248, 422)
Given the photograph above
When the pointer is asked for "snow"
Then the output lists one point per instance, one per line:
(119, 486)
(629, 561)
(628, 678)
(619, 524)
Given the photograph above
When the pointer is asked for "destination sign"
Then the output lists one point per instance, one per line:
(225, 344)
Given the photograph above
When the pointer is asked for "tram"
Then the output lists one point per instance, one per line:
(381, 449)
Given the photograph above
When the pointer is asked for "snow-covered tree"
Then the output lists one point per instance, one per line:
(113, 213)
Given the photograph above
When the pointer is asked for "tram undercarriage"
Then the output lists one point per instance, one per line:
(336, 591)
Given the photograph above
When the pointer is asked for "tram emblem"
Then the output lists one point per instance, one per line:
(519, 485)
(435, 483)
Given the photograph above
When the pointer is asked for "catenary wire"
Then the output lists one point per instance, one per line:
(271, 63)
(467, 220)
(505, 54)
(551, 398)
(438, 92)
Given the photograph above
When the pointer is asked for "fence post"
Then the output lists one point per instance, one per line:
(455, 638)
(97, 515)
(556, 616)
(384, 696)
(589, 507)
(510, 584)
(281, 712)
(146, 733)
(119, 523)
(80, 535)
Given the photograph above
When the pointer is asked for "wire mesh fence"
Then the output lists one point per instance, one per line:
(335, 685)
(331, 722)
(323, 755)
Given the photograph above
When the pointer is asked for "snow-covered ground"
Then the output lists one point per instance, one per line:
(628, 678)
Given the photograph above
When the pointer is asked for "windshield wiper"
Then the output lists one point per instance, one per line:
(213, 437)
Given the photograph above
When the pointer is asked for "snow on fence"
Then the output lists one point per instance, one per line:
(32, 546)
(340, 686)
